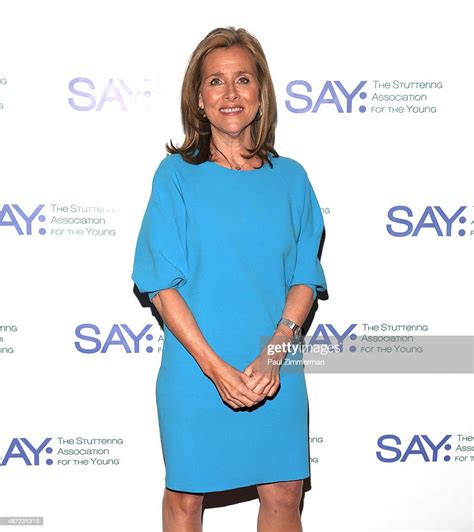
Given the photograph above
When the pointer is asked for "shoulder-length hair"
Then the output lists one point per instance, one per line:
(195, 148)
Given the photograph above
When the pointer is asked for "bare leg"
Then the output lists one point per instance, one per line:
(181, 511)
(280, 506)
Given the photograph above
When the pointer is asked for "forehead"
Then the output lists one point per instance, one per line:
(231, 58)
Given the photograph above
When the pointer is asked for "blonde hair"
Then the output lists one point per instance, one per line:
(195, 148)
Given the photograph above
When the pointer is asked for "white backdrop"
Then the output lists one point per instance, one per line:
(89, 94)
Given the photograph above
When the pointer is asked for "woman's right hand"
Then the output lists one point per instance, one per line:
(232, 387)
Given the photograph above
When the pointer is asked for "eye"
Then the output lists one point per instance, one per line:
(212, 81)
(246, 80)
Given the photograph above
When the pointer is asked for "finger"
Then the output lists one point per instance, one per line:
(248, 371)
(242, 401)
(250, 374)
(234, 397)
(246, 400)
(263, 384)
(267, 388)
(234, 403)
(273, 389)
(228, 397)
(252, 381)
(246, 393)
(250, 403)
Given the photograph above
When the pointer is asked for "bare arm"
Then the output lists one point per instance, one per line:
(180, 320)
(266, 377)
(297, 306)
(230, 382)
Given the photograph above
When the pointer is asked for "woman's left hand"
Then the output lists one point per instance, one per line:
(264, 371)
(264, 375)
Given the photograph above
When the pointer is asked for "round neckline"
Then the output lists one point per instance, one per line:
(235, 171)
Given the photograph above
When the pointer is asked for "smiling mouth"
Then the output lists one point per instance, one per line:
(231, 110)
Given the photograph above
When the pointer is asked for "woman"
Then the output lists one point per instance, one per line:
(227, 248)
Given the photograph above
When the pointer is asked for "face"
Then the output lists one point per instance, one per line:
(229, 90)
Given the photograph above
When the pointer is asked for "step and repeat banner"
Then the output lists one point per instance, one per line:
(373, 100)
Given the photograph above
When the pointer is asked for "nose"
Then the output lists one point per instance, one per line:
(230, 92)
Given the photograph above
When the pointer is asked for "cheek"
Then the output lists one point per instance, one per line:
(210, 97)
(252, 94)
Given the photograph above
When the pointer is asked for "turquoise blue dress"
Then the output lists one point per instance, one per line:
(232, 243)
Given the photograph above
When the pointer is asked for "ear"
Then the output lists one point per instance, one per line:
(200, 104)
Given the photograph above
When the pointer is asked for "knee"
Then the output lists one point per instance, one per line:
(282, 496)
(182, 504)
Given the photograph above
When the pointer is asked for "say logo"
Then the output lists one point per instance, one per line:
(21, 449)
(432, 219)
(20, 221)
(421, 445)
(333, 94)
(92, 340)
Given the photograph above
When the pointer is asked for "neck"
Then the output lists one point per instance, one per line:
(230, 148)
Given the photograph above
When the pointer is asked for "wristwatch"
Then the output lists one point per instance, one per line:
(295, 328)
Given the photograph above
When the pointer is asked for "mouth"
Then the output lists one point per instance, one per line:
(231, 110)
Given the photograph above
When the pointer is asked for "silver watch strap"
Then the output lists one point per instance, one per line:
(295, 328)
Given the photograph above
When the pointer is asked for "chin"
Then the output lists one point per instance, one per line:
(232, 129)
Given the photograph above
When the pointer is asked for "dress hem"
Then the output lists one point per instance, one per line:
(213, 490)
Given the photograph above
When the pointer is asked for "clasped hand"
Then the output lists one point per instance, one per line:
(260, 379)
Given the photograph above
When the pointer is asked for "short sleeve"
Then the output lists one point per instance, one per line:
(161, 255)
(308, 269)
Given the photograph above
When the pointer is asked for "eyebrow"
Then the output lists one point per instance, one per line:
(239, 72)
